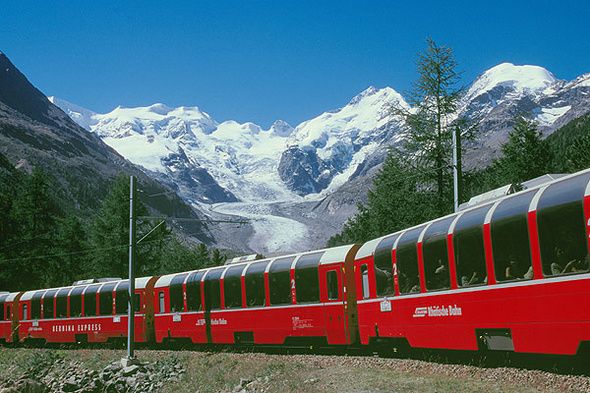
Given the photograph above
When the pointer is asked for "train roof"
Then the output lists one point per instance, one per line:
(533, 185)
(11, 296)
(329, 255)
(140, 283)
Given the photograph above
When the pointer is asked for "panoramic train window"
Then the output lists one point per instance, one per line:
(365, 281)
(4, 314)
(76, 302)
(232, 287)
(2, 311)
(48, 302)
(122, 299)
(470, 258)
(384, 266)
(105, 298)
(510, 239)
(562, 230)
(279, 279)
(407, 262)
(176, 295)
(193, 291)
(333, 287)
(254, 280)
(434, 252)
(61, 303)
(307, 283)
(25, 312)
(36, 305)
(90, 300)
(213, 289)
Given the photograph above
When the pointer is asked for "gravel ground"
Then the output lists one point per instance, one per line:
(191, 371)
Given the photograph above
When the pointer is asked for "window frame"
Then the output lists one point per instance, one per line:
(407, 238)
(106, 292)
(436, 235)
(176, 293)
(307, 278)
(280, 268)
(254, 279)
(75, 297)
(557, 201)
(63, 293)
(471, 223)
(91, 293)
(231, 277)
(331, 287)
(161, 301)
(49, 299)
(3, 307)
(383, 255)
(510, 211)
(193, 282)
(36, 300)
(365, 284)
(212, 286)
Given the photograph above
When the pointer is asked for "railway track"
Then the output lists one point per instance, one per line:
(218, 370)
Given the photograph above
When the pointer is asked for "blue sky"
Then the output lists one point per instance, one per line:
(264, 60)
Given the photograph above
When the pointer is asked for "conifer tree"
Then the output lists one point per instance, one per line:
(397, 200)
(525, 155)
(430, 123)
(36, 212)
(217, 258)
(110, 235)
(178, 257)
(72, 250)
(202, 253)
(577, 155)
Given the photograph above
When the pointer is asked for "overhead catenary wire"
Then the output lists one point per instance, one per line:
(80, 252)
(6, 246)
(193, 219)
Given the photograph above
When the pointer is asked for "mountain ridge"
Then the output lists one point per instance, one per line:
(311, 164)
(36, 133)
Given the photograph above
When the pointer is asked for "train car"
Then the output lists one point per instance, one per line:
(300, 299)
(90, 313)
(509, 274)
(8, 319)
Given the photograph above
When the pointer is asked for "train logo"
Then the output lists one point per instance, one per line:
(438, 311)
(420, 312)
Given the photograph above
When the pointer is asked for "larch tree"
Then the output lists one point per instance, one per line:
(432, 119)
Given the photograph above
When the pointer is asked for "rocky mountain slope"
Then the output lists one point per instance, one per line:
(504, 91)
(36, 133)
(292, 180)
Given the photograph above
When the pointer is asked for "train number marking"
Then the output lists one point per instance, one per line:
(385, 305)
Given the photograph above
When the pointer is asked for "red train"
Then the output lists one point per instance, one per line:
(508, 274)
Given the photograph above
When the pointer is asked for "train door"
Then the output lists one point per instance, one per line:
(333, 299)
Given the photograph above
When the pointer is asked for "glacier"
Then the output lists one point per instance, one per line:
(282, 177)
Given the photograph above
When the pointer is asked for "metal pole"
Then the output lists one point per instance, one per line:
(131, 309)
(455, 173)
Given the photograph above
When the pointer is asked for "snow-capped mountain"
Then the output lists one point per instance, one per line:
(82, 116)
(508, 90)
(272, 171)
(324, 152)
(224, 162)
